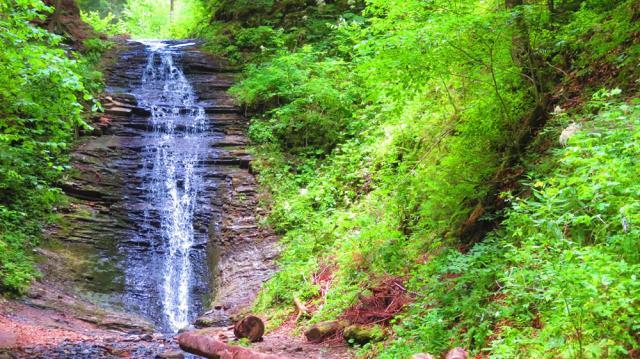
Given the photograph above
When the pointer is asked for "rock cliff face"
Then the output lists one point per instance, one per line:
(106, 245)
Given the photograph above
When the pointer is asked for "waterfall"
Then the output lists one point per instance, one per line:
(171, 180)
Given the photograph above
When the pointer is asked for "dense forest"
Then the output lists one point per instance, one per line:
(440, 173)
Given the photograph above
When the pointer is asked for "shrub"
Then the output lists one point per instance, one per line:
(42, 98)
(308, 101)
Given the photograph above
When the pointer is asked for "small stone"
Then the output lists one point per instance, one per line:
(188, 328)
(170, 354)
(422, 356)
(457, 353)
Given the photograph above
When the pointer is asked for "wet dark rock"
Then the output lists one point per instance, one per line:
(187, 328)
(170, 354)
(147, 337)
(216, 318)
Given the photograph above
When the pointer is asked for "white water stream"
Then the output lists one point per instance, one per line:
(172, 182)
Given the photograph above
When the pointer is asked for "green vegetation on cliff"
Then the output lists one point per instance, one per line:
(419, 140)
(45, 90)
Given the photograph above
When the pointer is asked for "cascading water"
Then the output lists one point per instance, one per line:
(171, 180)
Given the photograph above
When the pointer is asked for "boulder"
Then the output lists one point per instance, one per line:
(457, 353)
(320, 331)
(251, 327)
(170, 354)
(362, 334)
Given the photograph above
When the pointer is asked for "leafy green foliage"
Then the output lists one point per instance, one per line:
(152, 20)
(43, 93)
(147, 19)
(102, 7)
(312, 100)
(107, 25)
(255, 30)
(560, 279)
(379, 126)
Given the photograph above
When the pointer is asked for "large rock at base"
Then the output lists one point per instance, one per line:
(250, 327)
(320, 331)
(363, 334)
(213, 318)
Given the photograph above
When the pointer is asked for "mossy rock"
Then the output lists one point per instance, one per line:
(363, 334)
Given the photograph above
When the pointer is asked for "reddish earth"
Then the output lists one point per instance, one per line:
(28, 326)
(28, 332)
(284, 341)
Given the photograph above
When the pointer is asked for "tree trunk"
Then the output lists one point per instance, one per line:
(531, 65)
(521, 51)
(55, 17)
(211, 348)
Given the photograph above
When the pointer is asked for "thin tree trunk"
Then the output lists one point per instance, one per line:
(53, 23)
(531, 65)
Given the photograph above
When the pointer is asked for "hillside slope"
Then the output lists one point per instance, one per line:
(411, 155)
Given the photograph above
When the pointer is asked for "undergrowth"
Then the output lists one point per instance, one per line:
(45, 92)
(379, 126)
(559, 279)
